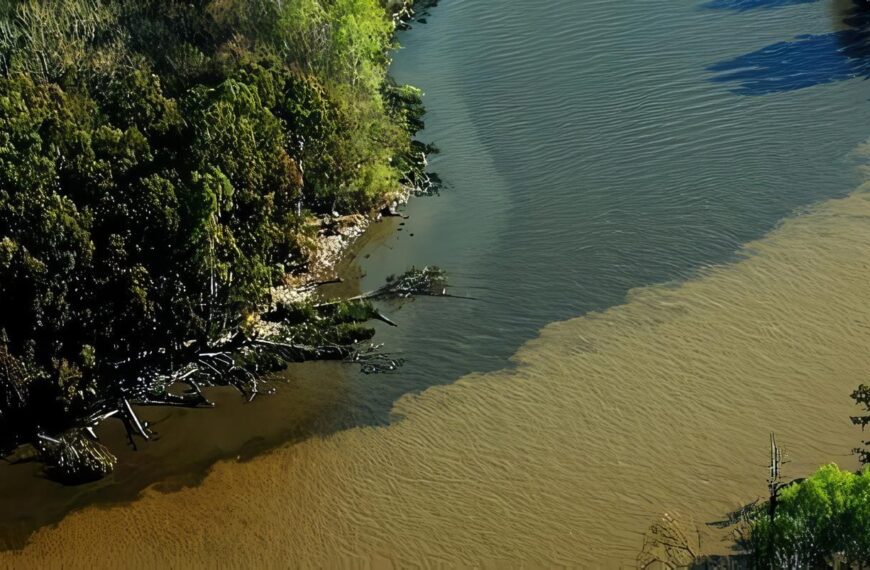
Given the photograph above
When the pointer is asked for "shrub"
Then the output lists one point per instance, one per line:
(818, 521)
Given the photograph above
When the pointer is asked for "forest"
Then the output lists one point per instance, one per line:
(162, 168)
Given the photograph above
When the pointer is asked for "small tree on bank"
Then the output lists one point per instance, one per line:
(819, 522)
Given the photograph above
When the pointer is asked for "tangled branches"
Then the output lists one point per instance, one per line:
(428, 281)
(300, 332)
(75, 457)
(668, 543)
(372, 361)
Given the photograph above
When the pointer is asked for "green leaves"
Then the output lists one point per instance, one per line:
(160, 162)
(820, 520)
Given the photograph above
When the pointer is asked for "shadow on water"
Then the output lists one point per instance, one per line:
(743, 5)
(806, 60)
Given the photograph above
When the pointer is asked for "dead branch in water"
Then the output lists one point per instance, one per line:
(331, 331)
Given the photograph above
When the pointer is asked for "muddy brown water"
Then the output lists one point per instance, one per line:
(660, 210)
(606, 422)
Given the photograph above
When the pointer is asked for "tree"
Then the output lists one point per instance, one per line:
(820, 521)
(161, 164)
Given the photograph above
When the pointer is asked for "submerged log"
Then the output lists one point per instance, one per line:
(382, 317)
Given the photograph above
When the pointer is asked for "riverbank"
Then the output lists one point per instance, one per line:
(311, 400)
(164, 222)
(185, 442)
(598, 172)
(517, 466)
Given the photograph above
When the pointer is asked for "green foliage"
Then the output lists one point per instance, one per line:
(160, 159)
(332, 325)
(818, 521)
(52, 40)
(349, 311)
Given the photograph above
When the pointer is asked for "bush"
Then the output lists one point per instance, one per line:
(819, 521)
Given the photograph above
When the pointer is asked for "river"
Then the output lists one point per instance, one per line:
(658, 212)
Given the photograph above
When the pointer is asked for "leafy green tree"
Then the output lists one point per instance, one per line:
(820, 521)
(161, 162)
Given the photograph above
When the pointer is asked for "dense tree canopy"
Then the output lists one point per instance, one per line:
(160, 161)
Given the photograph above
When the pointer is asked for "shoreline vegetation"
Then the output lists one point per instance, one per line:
(178, 178)
(819, 521)
(175, 180)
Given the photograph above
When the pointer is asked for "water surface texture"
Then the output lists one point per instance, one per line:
(608, 421)
(664, 226)
(593, 147)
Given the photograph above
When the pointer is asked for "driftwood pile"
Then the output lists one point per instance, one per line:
(429, 281)
(75, 457)
(330, 331)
